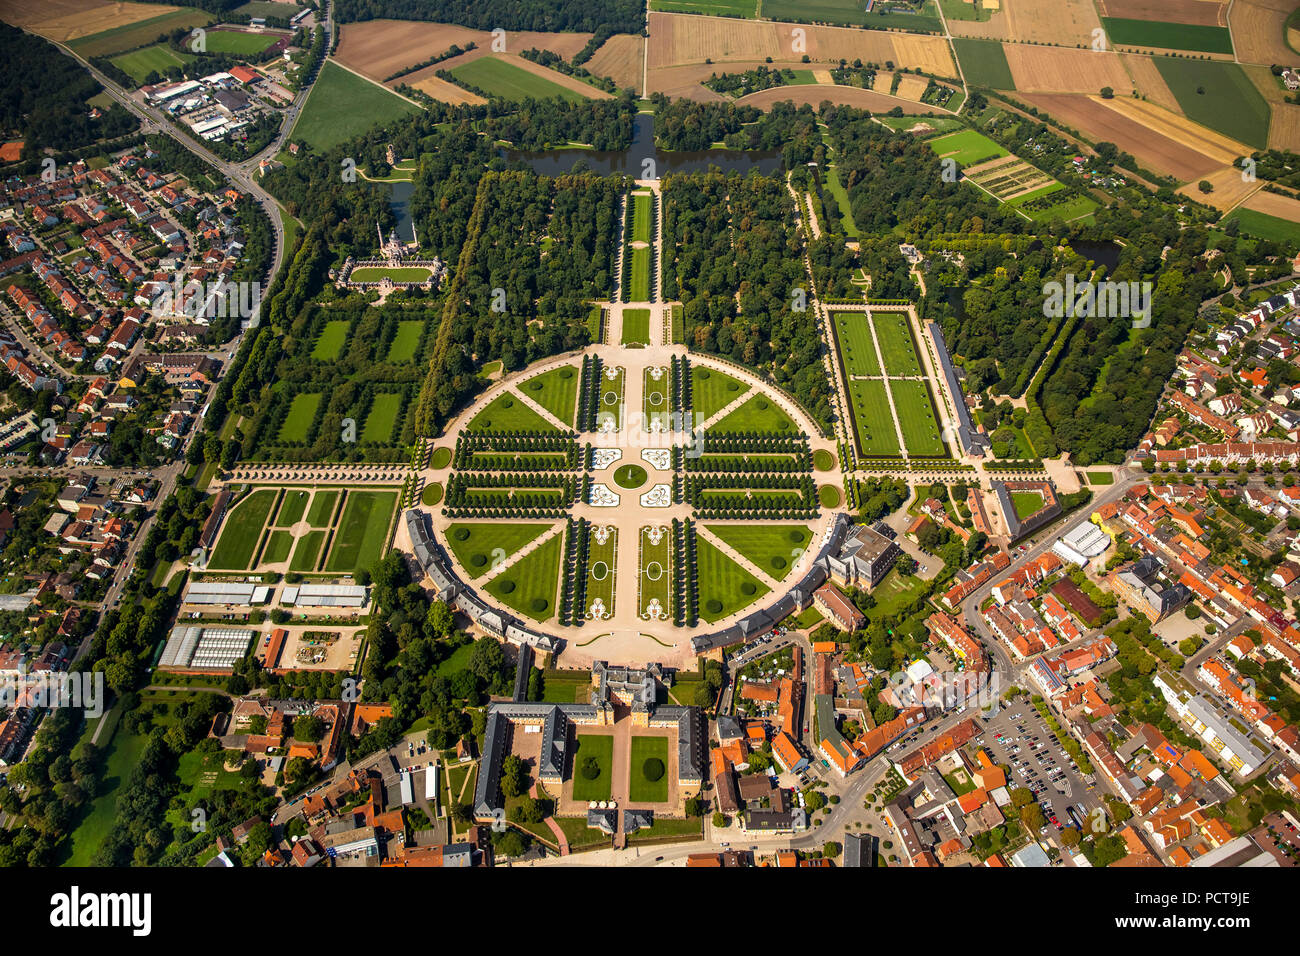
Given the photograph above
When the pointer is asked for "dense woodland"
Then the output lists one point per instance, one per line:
(579, 16)
(43, 96)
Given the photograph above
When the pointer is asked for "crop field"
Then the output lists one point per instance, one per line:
(772, 548)
(813, 94)
(381, 420)
(1036, 69)
(136, 31)
(343, 105)
(362, 532)
(1064, 22)
(851, 13)
(967, 147)
(302, 413)
(556, 391)
(757, 415)
(655, 396)
(1259, 30)
(1209, 13)
(708, 8)
(602, 571)
(508, 413)
(712, 391)
(239, 43)
(620, 58)
(330, 343)
(138, 64)
(406, 342)
(1219, 96)
(916, 416)
(857, 349)
(482, 546)
(873, 423)
(1265, 226)
(530, 583)
(242, 531)
(639, 285)
(636, 322)
(1168, 36)
(502, 78)
(1009, 177)
(654, 574)
(724, 586)
(985, 64)
(897, 349)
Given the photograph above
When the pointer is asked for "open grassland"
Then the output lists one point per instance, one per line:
(556, 391)
(857, 349)
(872, 421)
(984, 63)
(343, 105)
(363, 530)
(1219, 96)
(724, 586)
(772, 548)
(481, 546)
(138, 64)
(1168, 36)
(528, 586)
(242, 531)
(712, 391)
(966, 148)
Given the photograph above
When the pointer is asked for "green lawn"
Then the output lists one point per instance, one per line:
(724, 586)
(1218, 95)
(916, 415)
(842, 201)
(292, 508)
(823, 460)
(242, 531)
(331, 340)
(302, 412)
(477, 545)
(641, 788)
(1100, 478)
(857, 350)
(873, 423)
(712, 391)
(714, 8)
(654, 574)
(277, 547)
(132, 35)
(1026, 503)
(381, 420)
(397, 274)
(600, 746)
(636, 327)
(759, 414)
(362, 531)
(602, 568)
(440, 458)
(774, 548)
(529, 585)
(500, 78)
(984, 63)
(897, 350)
(642, 216)
(654, 392)
(508, 413)
(306, 553)
(124, 751)
(556, 391)
(1200, 38)
(611, 396)
(967, 147)
(639, 286)
(343, 105)
(406, 341)
(239, 44)
(138, 64)
(321, 514)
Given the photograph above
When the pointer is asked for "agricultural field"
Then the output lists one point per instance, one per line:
(134, 32)
(1068, 23)
(481, 546)
(621, 58)
(654, 574)
(967, 147)
(1219, 96)
(724, 586)
(636, 322)
(343, 105)
(772, 548)
(508, 413)
(502, 78)
(712, 391)
(602, 571)
(708, 8)
(1042, 69)
(1264, 226)
(1259, 30)
(362, 532)
(1168, 36)
(138, 64)
(556, 391)
(984, 63)
(529, 585)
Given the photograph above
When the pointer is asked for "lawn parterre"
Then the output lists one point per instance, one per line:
(323, 506)
(306, 552)
(712, 391)
(916, 416)
(302, 413)
(406, 342)
(772, 548)
(654, 574)
(873, 424)
(654, 396)
(508, 413)
(363, 531)
(639, 287)
(857, 349)
(610, 408)
(594, 751)
(642, 216)
(724, 586)
(482, 546)
(292, 508)
(242, 531)
(648, 770)
(897, 350)
(529, 585)
(278, 545)
(381, 421)
(636, 327)
(556, 391)
(602, 568)
(759, 414)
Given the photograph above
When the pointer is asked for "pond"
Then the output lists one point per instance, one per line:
(1102, 253)
(633, 161)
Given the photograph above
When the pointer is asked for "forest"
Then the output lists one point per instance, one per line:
(733, 257)
(579, 16)
(43, 97)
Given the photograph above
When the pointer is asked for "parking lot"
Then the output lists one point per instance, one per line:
(1019, 738)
